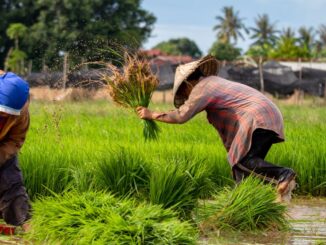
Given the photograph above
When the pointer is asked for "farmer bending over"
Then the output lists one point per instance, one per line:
(246, 120)
(14, 123)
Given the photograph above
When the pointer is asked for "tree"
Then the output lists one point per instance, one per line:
(307, 39)
(180, 46)
(264, 32)
(16, 31)
(15, 61)
(288, 33)
(224, 51)
(16, 57)
(287, 48)
(15, 11)
(256, 51)
(322, 35)
(230, 26)
(83, 28)
(320, 45)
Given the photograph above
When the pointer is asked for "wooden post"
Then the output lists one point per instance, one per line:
(65, 70)
(325, 91)
(261, 75)
(43, 65)
(30, 67)
(164, 96)
(300, 79)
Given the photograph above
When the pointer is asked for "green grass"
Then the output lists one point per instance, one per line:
(69, 142)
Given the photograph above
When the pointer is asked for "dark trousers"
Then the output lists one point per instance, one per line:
(254, 164)
(14, 202)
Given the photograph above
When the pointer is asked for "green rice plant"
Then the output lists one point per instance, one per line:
(133, 87)
(101, 218)
(250, 206)
(43, 172)
(88, 129)
(122, 172)
(179, 185)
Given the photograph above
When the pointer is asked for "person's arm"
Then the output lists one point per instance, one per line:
(14, 139)
(196, 102)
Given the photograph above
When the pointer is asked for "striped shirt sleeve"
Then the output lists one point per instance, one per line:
(196, 103)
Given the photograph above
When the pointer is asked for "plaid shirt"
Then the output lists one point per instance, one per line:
(235, 110)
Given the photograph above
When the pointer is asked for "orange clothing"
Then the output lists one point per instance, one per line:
(12, 134)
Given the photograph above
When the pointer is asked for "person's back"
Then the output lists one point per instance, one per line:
(236, 111)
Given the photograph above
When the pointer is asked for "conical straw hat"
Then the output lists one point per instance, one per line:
(208, 65)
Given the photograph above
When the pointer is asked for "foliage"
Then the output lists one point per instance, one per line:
(259, 51)
(250, 206)
(133, 87)
(99, 218)
(287, 48)
(16, 31)
(224, 51)
(230, 26)
(81, 28)
(180, 46)
(322, 35)
(264, 32)
(15, 61)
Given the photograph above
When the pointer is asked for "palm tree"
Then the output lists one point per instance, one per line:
(306, 36)
(288, 33)
(15, 31)
(264, 32)
(322, 35)
(230, 26)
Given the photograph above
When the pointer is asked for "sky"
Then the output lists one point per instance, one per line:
(195, 19)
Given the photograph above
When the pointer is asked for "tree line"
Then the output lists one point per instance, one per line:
(267, 40)
(37, 34)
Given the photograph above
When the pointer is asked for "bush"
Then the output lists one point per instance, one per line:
(224, 51)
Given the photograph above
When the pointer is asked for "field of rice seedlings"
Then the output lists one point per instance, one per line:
(91, 144)
(94, 150)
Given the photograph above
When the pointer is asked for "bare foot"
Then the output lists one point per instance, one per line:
(26, 227)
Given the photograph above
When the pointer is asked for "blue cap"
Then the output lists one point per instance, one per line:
(14, 92)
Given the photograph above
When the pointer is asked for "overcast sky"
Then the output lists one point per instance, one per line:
(195, 18)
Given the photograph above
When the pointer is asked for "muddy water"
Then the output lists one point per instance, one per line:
(308, 221)
(308, 226)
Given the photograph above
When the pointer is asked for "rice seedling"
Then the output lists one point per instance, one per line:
(133, 87)
(123, 173)
(250, 206)
(101, 218)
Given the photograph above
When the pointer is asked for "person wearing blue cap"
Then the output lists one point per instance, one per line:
(14, 124)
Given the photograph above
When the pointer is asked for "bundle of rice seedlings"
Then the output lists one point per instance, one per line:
(250, 206)
(99, 218)
(133, 86)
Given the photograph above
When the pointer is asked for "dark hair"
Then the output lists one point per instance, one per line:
(195, 75)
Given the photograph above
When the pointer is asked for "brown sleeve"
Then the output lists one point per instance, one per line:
(197, 101)
(15, 138)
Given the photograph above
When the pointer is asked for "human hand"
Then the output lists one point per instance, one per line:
(144, 113)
